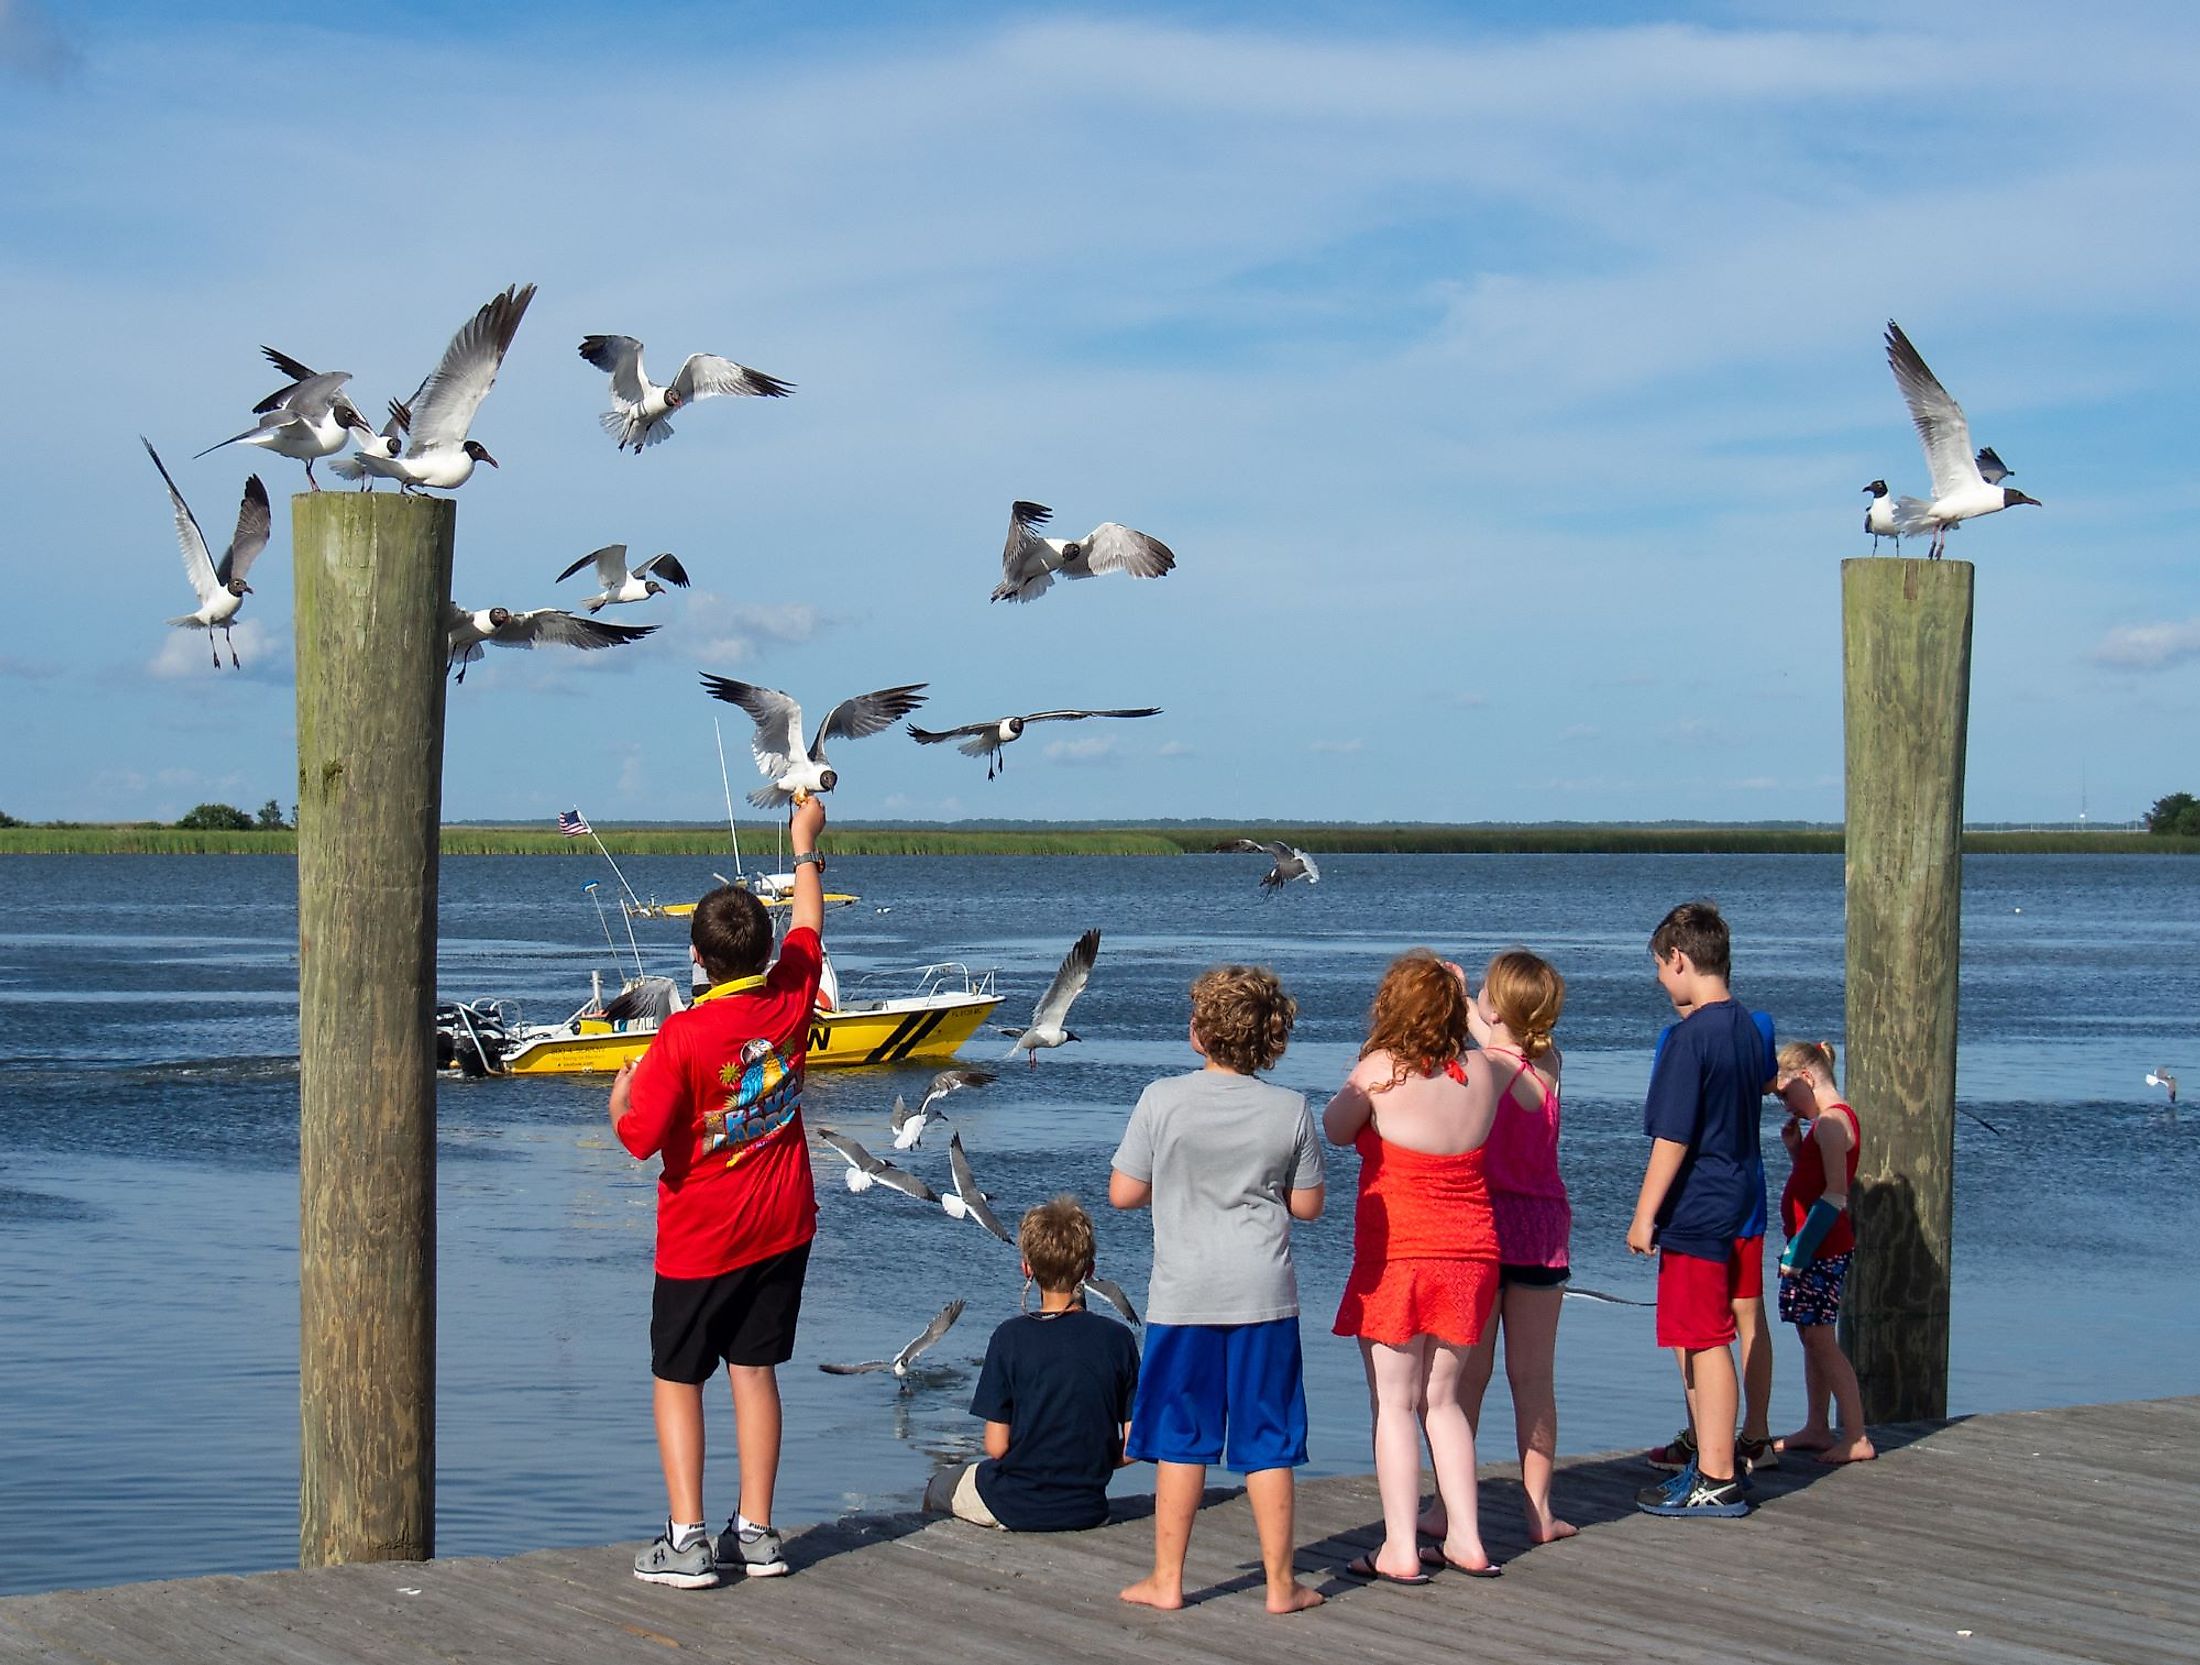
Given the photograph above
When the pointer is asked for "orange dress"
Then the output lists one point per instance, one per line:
(1424, 1247)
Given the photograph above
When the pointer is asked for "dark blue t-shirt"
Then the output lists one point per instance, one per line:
(1063, 1383)
(1705, 1092)
(1754, 1226)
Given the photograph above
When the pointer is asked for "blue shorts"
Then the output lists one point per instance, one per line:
(1233, 1394)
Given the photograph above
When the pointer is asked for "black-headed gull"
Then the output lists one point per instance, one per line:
(986, 739)
(306, 420)
(866, 1170)
(1879, 518)
(1112, 1293)
(469, 627)
(618, 585)
(640, 409)
(966, 1201)
(1030, 563)
(2167, 1082)
(220, 586)
(1050, 1018)
(1290, 863)
(793, 772)
(899, 1364)
(909, 1124)
(1960, 489)
(438, 451)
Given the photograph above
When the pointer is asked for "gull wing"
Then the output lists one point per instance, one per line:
(253, 525)
(707, 376)
(198, 565)
(983, 735)
(1991, 468)
(653, 999)
(865, 714)
(901, 1113)
(962, 1075)
(551, 627)
(854, 1154)
(1313, 873)
(609, 562)
(1242, 846)
(942, 1322)
(1110, 547)
(1939, 419)
(863, 1369)
(666, 567)
(621, 357)
(295, 370)
(966, 1188)
(1112, 1292)
(443, 410)
(1027, 565)
(1069, 982)
(778, 739)
(1079, 716)
(310, 395)
(903, 1181)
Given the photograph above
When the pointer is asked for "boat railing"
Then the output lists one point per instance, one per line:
(941, 977)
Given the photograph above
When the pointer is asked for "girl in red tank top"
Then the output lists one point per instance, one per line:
(1823, 1136)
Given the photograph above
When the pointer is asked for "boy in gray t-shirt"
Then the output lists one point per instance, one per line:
(1227, 1163)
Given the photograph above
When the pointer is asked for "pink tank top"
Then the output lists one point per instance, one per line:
(1534, 1219)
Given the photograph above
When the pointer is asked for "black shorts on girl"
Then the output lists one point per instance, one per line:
(1813, 1295)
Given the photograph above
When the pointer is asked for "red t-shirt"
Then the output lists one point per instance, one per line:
(719, 1096)
(1807, 1183)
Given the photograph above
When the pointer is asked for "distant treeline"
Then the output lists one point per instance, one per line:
(1176, 839)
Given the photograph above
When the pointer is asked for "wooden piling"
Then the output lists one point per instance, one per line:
(1906, 664)
(373, 580)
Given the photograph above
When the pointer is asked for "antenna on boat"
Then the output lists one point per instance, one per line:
(633, 902)
(731, 832)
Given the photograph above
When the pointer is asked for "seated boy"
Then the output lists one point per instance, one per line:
(718, 1096)
(1055, 1394)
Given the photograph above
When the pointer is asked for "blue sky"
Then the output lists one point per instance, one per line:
(1504, 388)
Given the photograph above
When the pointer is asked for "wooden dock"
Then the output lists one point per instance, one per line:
(2032, 1537)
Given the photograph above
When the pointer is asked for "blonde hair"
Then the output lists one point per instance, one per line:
(1528, 994)
(1809, 1058)
(1055, 1239)
(1419, 1017)
(1243, 1017)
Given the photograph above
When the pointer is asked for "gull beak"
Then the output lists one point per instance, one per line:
(2021, 498)
(491, 461)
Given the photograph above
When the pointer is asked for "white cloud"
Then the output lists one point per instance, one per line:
(721, 632)
(263, 653)
(1174, 748)
(2149, 647)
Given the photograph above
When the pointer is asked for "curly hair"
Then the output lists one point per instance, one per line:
(1243, 1017)
(1419, 1016)
(1528, 994)
(1055, 1239)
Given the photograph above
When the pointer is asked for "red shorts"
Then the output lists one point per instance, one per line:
(1749, 1268)
(1696, 1297)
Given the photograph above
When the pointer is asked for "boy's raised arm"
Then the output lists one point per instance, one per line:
(807, 821)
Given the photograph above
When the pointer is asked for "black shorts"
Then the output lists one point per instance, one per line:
(746, 1316)
(1533, 1277)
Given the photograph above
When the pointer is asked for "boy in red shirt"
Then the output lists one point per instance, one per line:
(718, 1096)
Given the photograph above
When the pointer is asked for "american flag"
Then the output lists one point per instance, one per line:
(574, 824)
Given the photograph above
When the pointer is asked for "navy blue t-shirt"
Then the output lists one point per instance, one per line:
(1705, 1092)
(1063, 1383)
(1754, 1226)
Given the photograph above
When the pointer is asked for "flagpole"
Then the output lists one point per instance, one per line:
(634, 901)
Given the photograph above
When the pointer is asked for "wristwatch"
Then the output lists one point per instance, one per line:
(811, 858)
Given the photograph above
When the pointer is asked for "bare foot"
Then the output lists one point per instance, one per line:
(1293, 1598)
(1550, 1529)
(1805, 1439)
(1151, 1592)
(1467, 1555)
(1857, 1450)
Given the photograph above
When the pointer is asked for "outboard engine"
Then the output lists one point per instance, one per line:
(471, 1038)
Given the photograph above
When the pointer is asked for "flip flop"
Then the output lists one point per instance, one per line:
(1363, 1567)
(1434, 1557)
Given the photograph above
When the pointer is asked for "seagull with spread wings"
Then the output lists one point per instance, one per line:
(640, 411)
(966, 1201)
(1050, 1018)
(618, 585)
(1112, 1292)
(792, 772)
(909, 1124)
(1291, 863)
(469, 627)
(986, 739)
(220, 586)
(306, 420)
(1961, 490)
(437, 418)
(2167, 1082)
(866, 1170)
(899, 1364)
(1030, 562)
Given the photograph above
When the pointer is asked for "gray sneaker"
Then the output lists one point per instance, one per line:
(688, 1566)
(756, 1552)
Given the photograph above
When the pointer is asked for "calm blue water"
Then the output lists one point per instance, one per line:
(148, 1131)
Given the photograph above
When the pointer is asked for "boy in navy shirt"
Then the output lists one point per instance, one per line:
(1704, 1181)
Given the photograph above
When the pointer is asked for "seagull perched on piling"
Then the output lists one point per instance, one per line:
(1879, 518)
(436, 419)
(966, 1201)
(620, 586)
(640, 409)
(866, 1170)
(793, 773)
(909, 1124)
(306, 420)
(469, 627)
(1291, 863)
(1049, 1019)
(1961, 490)
(986, 739)
(1030, 562)
(899, 1364)
(220, 586)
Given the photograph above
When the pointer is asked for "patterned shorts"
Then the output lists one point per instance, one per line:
(1813, 1295)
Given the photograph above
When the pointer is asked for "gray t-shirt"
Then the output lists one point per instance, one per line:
(1221, 1152)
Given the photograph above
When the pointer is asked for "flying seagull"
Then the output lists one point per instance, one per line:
(1879, 518)
(866, 1170)
(306, 420)
(641, 410)
(1291, 863)
(793, 773)
(619, 585)
(442, 409)
(909, 1124)
(1112, 1293)
(1960, 489)
(966, 1201)
(1049, 1017)
(987, 739)
(469, 627)
(2163, 1079)
(899, 1364)
(1030, 562)
(221, 588)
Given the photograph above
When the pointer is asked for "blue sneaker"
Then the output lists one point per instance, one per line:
(1703, 1499)
(1667, 1490)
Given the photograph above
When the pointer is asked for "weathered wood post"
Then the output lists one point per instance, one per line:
(1906, 662)
(373, 579)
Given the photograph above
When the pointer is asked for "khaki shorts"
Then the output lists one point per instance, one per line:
(955, 1492)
